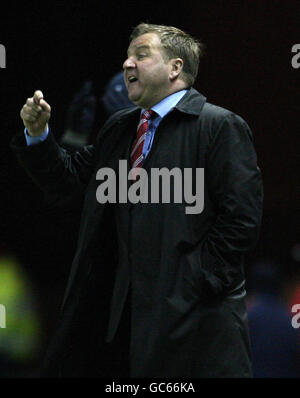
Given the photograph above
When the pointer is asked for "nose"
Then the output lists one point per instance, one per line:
(128, 63)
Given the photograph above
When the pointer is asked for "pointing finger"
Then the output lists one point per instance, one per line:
(38, 95)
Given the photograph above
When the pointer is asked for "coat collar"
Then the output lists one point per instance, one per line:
(191, 103)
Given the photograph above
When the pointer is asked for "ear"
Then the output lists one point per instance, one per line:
(176, 68)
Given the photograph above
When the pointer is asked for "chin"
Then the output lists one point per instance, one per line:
(133, 98)
(136, 101)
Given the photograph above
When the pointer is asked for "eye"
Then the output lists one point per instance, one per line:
(141, 55)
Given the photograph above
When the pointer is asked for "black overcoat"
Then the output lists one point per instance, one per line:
(186, 270)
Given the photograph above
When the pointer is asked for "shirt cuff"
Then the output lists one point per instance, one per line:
(35, 140)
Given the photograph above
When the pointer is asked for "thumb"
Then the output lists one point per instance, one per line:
(37, 96)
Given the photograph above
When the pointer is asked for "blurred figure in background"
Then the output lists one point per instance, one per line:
(274, 341)
(82, 110)
(115, 96)
(20, 331)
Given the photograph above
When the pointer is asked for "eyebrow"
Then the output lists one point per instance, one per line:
(141, 46)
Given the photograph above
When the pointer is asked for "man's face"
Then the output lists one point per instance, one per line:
(146, 73)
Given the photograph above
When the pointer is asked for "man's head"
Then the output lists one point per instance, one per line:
(161, 60)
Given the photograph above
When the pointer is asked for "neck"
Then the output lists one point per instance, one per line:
(173, 89)
(178, 85)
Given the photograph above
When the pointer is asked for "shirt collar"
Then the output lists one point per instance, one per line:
(165, 105)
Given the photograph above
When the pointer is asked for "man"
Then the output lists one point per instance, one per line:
(172, 281)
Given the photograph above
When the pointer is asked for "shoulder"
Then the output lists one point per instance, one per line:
(220, 124)
(210, 115)
(217, 119)
(218, 114)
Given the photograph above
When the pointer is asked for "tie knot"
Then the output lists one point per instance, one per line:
(147, 114)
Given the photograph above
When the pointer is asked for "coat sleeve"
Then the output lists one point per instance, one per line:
(234, 186)
(61, 175)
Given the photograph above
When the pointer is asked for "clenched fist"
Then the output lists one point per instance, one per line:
(36, 114)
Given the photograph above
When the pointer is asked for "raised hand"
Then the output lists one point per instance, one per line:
(36, 114)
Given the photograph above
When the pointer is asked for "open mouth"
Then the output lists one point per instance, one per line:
(132, 79)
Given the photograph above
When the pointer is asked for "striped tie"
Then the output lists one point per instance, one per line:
(136, 155)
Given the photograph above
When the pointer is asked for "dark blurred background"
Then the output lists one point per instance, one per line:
(59, 46)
